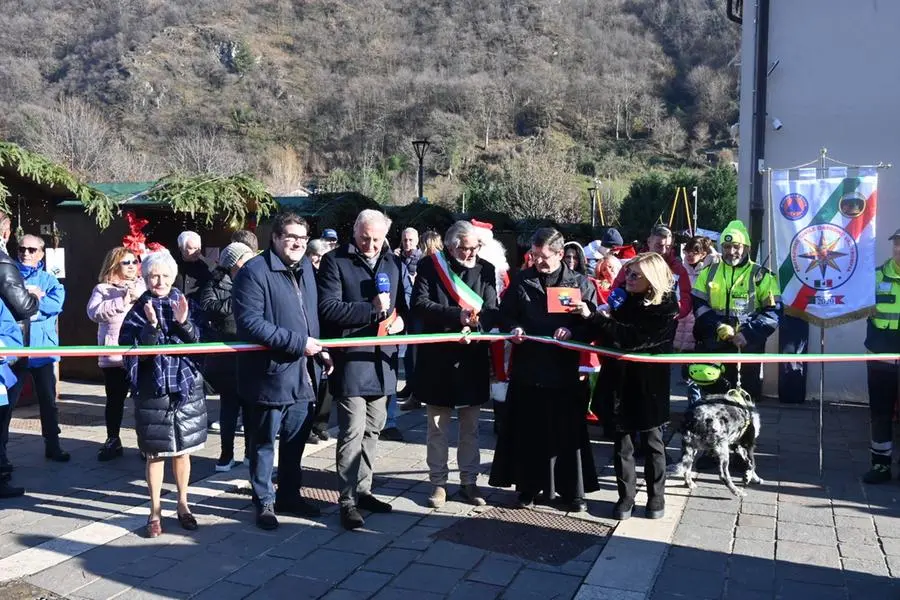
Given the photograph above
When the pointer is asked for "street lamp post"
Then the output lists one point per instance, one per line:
(421, 147)
(593, 194)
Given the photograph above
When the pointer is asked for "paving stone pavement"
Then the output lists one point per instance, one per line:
(78, 533)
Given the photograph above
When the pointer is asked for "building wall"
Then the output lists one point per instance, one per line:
(837, 85)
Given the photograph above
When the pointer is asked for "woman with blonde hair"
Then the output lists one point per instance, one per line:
(120, 285)
(635, 396)
(431, 243)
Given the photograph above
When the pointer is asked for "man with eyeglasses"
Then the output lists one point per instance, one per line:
(361, 294)
(43, 332)
(23, 305)
(274, 300)
(543, 448)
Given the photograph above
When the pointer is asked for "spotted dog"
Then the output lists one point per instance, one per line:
(717, 424)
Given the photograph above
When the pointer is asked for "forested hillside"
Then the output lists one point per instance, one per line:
(332, 91)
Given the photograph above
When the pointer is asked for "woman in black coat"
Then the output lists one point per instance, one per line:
(449, 376)
(170, 407)
(635, 396)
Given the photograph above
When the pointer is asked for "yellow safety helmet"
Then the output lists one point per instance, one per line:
(705, 373)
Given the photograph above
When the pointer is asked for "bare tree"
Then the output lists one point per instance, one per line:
(670, 136)
(77, 136)
(206, 152)
(539, 183)
(283, 170)
(71, 133)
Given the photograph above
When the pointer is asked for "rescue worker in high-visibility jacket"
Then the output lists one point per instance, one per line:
(883, 335)
(737, 306)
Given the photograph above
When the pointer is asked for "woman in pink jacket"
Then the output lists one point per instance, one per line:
(120, 286)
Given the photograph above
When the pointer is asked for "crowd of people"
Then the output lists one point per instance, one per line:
(299, 290)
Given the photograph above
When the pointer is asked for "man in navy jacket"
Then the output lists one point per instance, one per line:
(274, 305)
(350, 305)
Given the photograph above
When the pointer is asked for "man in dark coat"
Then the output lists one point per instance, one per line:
(22, 303)
(221, 369)
(271, 308)
(543, 448)
(193, 268)
(450, 376)
(351, 305)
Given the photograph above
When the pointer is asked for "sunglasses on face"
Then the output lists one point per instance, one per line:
(128, 263)
(28, 250)
(633, 275)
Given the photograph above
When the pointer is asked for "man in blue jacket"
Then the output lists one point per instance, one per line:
(274, 305)
(43, 332)
(361, 295)
(10, 337)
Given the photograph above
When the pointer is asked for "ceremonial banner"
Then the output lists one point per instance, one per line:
(824, 228)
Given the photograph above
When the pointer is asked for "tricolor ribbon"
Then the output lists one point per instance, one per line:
(440, 338)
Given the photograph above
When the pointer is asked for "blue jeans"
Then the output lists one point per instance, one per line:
(293, 423)
(392, 412)
(693, 394)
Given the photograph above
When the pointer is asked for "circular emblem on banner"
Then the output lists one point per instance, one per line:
(794, 206)
(824, 256)
(852, 205)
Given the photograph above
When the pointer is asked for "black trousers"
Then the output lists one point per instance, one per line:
(323, 408)
(230, 406)
(115, 381)
(292, 423)
(654, 463)
(793, 338)
(45, 389)
(883, 385)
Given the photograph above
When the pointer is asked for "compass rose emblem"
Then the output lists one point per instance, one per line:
(824, 256)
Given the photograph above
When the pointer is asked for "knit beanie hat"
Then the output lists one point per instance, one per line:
(232, 253)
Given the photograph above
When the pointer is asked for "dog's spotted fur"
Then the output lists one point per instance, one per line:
(718, 424)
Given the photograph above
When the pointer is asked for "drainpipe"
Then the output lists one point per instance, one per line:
(757, 193)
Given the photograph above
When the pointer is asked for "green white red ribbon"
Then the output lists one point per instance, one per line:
(441, 338)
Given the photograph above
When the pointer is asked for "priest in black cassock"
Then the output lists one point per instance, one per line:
(543, 449)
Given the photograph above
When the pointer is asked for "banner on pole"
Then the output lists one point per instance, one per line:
(824, 228)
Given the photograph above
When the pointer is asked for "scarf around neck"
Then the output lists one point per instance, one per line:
(171, 374)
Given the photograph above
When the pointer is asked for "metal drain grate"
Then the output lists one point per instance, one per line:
(76, 419)
(317, 485)
(534, 535)
(22, 590)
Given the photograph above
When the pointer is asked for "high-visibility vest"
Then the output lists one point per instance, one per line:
(736, 292)
(887, 297)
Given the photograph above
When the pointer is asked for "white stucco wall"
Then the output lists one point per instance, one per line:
(837, 85)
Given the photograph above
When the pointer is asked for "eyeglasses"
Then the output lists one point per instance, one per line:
(297, 239)
(128, 263)
(469, 249)
(633, 275)
(28, 250)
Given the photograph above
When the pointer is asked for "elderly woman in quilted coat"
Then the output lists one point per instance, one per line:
(170, 407)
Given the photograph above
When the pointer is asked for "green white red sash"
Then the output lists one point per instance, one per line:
(461, 293)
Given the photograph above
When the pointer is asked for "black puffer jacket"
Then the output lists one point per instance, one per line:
(163, 424)
(215, 302)
(20, 303)
(166, 423)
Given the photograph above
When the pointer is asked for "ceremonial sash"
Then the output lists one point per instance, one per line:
(461, 293)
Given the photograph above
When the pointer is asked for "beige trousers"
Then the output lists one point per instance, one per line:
(468, 456)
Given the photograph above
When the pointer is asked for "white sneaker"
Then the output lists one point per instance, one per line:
(675, 470)
(214, 426)
(223, 466)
